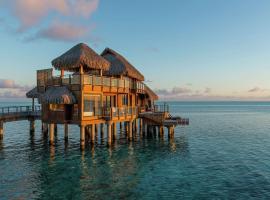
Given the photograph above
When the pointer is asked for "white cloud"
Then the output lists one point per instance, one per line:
(32, 14)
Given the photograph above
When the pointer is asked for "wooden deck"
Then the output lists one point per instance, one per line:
(16, 113)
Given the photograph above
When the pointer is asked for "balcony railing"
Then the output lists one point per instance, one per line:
(113, 112)
(94, 80)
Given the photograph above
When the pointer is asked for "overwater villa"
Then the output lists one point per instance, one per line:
(94, 91)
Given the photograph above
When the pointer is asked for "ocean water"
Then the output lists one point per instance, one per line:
(223, 154)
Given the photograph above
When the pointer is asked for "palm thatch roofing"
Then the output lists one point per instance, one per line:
(33, 93)
(150, 93)
(58, 95)
(120, 66)
(80, 55)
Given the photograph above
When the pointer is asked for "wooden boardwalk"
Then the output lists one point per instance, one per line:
(17, 113)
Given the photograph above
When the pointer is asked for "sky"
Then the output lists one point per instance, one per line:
(187, 49)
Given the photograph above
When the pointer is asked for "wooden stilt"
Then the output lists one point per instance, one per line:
(101, 130)
(93, 133)
(161, 131)
(114, 131)
(109, 133)
(55, 128)
(121, 126)
(1, 129)
(141, 125)
(32, 125)
(82, 136)
(130, 131)
(96, 129)
(44, 128)
(66, 131)
(51, 130)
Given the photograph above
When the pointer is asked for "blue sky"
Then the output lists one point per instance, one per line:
(187, 49)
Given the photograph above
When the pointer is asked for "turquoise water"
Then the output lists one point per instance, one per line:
(223, 154)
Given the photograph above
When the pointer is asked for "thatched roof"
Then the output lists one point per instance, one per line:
(58, 95)
(150, 93)
(120, 66)
(33, 93)
(80, 55)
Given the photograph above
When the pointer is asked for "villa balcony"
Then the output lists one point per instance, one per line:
(93, 83)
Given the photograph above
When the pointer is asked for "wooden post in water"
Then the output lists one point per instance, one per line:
(161, 131)
(121, 126)
(141, 125)
(101, 130)
(114, 131)
(55, 128)
(44, 128)
(1, 129)
(93, 133)
(109, 132)
(130, 124)
(32, 125)
(51, 132)
(66, 131)
(82, 136)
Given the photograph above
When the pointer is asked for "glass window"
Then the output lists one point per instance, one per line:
(125, 100)
(92, 105)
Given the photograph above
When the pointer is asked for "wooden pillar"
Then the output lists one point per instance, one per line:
(51, 130)
(109, 132)
(170, 131)
(141, 125)
(33, 104)
(93, 133)
(66, 131)
(126, 127)
(1, 129)
(114, 130)
(44, 127)
(130, 131)
(161, 131)
(101, 130)
(96, 129)
(82, 136)
(144, 128)
(32, 125)
(55, 128)
(155, 131)
(135, 125)
(121, 126)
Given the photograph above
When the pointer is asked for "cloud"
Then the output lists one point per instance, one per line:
(181, 90)
(37, 18)
(10, 89)
(62, 31)
(255, 89)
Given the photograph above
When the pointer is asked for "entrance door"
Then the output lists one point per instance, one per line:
(68, 112)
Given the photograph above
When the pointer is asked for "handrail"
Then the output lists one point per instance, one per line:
(96, 80)
(18, 109)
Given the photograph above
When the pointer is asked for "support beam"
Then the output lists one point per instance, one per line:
(82, 136)
(32, 126)
(141, 125)
(161, 131)
(114, 130)
(33, 104)
(1, 129)
(51, 132)
(55, 128)
(93, 133)
(66, 131)
(101, 130)
(130, 130)
(109, 132)
(45, 128)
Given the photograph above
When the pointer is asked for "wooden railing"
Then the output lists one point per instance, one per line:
(114, 112)
(18, 109)
(94, 80)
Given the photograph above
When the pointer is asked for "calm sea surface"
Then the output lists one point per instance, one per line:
(223, 154)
